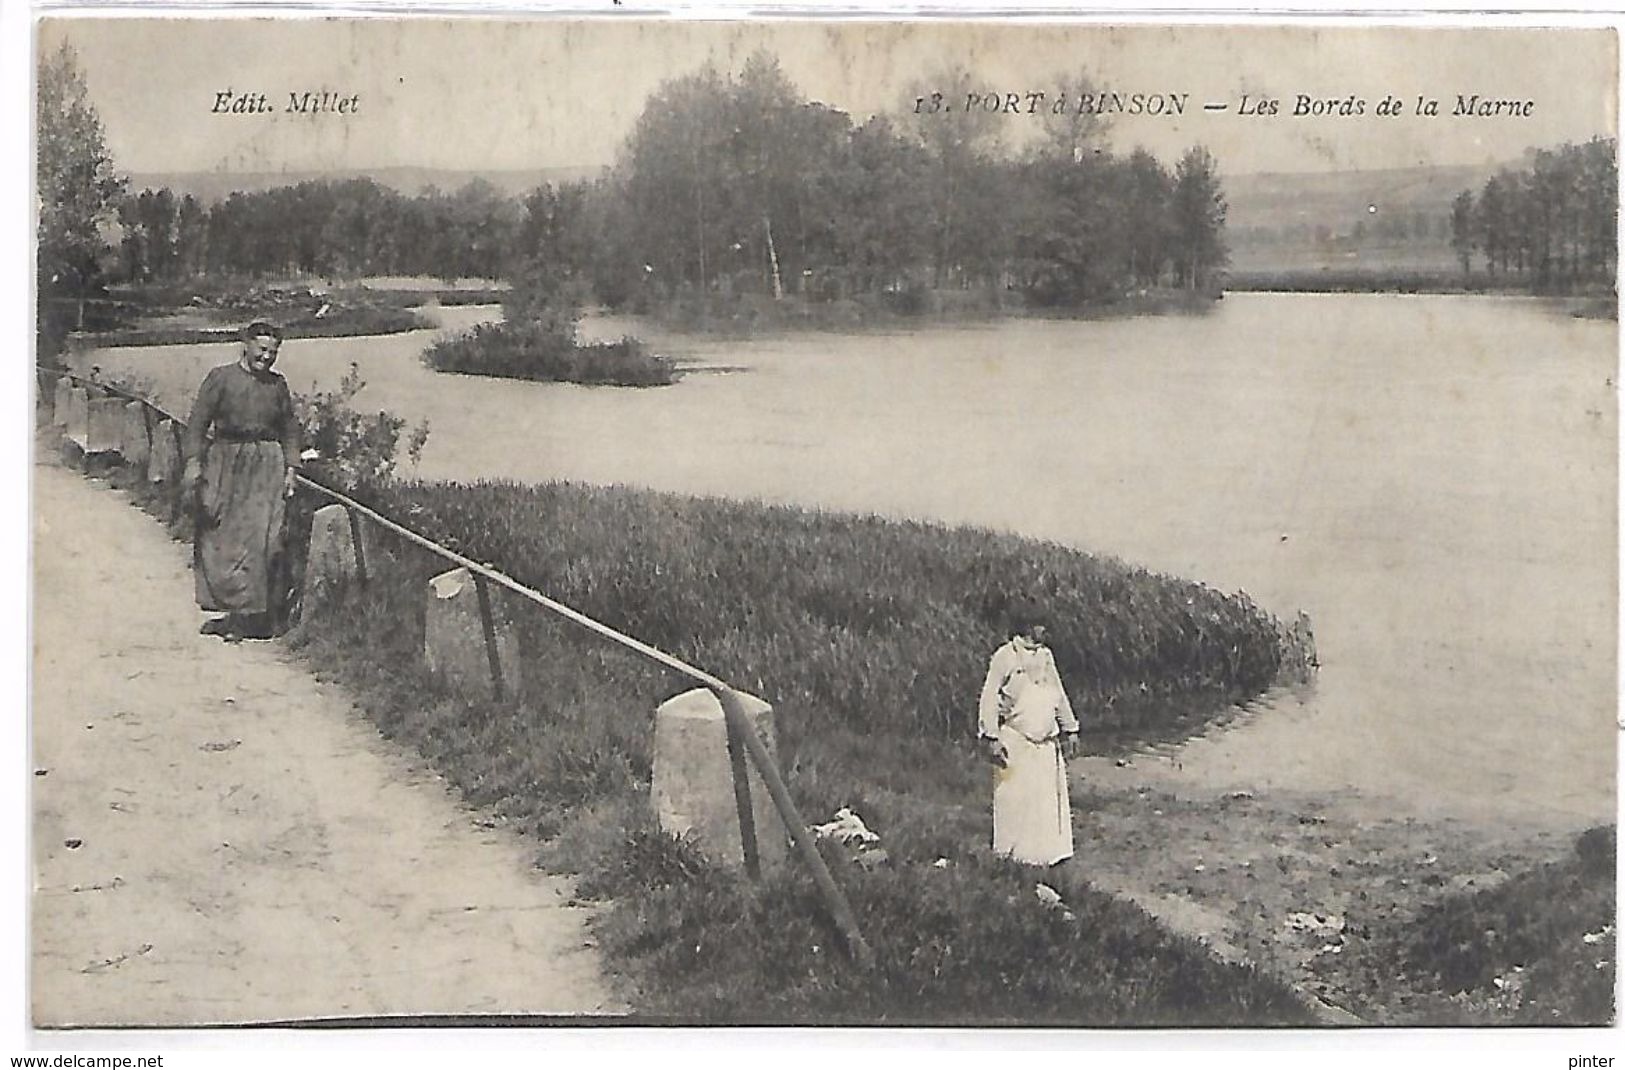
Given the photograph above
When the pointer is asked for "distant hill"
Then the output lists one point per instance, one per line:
(1392, 218)
(212, 186)
(1281, 198)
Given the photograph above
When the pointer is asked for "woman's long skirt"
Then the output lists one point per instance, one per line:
(241, 512)
(1032, 815)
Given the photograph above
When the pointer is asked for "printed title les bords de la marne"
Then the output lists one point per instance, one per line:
(1172, 105)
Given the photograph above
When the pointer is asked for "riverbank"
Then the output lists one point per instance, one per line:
(214, 311)
(1588, 302)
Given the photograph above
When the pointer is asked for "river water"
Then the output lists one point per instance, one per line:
(1431, 478)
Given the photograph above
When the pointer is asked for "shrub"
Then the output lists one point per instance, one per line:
(353, 449)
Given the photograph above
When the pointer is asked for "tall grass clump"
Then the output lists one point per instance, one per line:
(858, 621)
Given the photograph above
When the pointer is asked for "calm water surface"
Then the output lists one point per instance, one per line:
(1430, 478)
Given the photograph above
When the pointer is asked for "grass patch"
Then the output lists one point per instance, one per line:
(510, 351)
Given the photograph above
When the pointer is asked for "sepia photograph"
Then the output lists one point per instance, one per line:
(962, 522)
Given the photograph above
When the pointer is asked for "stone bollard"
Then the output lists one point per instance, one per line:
(164, 464)
(693, 782)
(61, 399)
(76, 422)
(454, 636)
(105, 426)
(330, 563)
(134, 444)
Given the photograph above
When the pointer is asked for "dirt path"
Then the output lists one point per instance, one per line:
(218, 837)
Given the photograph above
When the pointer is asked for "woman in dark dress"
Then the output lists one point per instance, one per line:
(242, 449)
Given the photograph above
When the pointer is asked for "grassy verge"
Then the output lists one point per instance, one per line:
(507, 351)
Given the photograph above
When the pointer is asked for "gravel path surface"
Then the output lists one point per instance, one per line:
(220, 838)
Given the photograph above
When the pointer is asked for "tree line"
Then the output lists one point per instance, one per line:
(727, 185)
(344, 228)
(732, 185)
(1550, 225)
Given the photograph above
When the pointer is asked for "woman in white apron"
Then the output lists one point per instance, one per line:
(1024, 718)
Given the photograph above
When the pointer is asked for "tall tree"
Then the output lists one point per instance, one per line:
(552, 251)
(1461, 230)
(77, 187)
(191, 237)
(961, 145)
(1148, 218)
(1198, 217)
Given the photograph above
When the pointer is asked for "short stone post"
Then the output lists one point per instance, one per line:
(164, 463)
(466, 640)
(76, 422)
(693, 785)
(105, 426)
(134, 444)
(61, 399)
(330, 562)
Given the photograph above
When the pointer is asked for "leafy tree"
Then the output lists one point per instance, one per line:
(1461, 230)
(1551, 224)
(1198, 218)
(1148, 230)
(552, 251)
(960, 146)
(191, 237)
(78, 194)
(1073, 133)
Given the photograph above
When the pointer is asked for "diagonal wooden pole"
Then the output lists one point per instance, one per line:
(839, 908)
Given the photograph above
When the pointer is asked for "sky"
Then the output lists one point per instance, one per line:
(477, 94)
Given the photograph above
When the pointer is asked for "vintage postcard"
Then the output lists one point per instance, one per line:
(940, 522)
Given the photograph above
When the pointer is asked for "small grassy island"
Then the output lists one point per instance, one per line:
(527, 351)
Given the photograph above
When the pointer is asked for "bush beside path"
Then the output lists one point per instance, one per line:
(218, 837)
